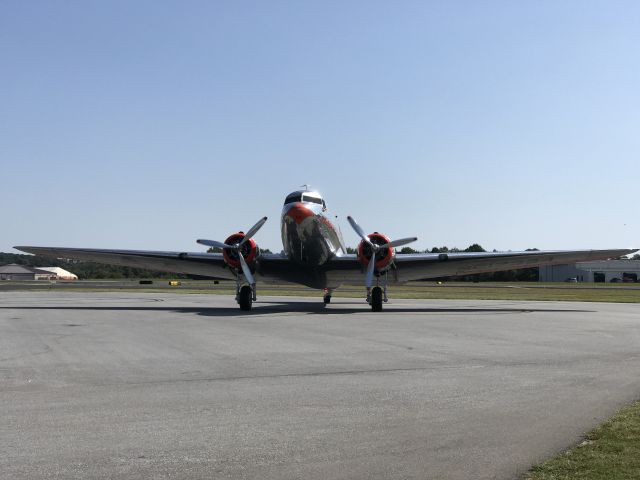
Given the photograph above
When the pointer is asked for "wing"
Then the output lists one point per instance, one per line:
(195, 263)
(423, 266)
(432, 265)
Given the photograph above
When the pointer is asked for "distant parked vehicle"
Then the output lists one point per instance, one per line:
(571, 280)
(615, 280)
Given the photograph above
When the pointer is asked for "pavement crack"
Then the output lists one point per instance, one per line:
(297, 374)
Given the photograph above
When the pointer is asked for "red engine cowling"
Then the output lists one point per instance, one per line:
(249, 250)
(384, 257)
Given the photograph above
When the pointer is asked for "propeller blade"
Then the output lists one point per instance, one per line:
(370, 268)
(215, 244)
(253, 230)
(246, 270)
(399, 242)
(359, 231)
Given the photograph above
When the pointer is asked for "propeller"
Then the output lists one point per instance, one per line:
(376, 248)
(236, 247)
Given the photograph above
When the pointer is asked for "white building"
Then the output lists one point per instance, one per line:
(60, 273)
(600, 271)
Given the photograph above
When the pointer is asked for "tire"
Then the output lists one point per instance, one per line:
(376, 299)
(245, 298)
(327, 299)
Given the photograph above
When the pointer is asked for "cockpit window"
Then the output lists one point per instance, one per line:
(302, 197)
(293, 198)
(308, 198)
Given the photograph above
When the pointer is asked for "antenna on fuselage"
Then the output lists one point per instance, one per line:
(305, 186)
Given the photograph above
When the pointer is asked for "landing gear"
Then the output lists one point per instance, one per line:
(245, 298)
(245, 294)
(327, 295)
(376, 299)
(377, 295)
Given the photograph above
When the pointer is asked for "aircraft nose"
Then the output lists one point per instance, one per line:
(298, 212)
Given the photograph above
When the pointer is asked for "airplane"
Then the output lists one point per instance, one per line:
(314, 254)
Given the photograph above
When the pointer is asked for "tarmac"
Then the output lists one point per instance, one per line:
(165, 385)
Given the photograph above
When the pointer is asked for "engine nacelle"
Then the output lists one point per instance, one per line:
(384, 257)
(249, 250)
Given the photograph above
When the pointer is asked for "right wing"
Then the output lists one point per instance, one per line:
(194, 263)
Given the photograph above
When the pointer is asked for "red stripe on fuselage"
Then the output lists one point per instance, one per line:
(299, 212)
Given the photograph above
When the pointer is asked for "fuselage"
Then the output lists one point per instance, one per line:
(309, 237)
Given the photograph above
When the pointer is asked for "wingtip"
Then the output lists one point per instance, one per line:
(25, 249)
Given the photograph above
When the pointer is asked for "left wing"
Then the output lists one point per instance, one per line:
(431, 265)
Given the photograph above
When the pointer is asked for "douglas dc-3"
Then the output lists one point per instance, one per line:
(314, 255)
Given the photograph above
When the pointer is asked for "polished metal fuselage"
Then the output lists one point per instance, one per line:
(309, 237)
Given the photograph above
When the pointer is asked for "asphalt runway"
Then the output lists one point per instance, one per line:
(164, 385)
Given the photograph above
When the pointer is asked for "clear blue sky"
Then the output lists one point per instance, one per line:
(149, 124)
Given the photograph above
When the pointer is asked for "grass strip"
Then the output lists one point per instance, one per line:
(610, 451)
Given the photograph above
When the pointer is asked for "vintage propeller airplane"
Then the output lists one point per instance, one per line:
(314, 255)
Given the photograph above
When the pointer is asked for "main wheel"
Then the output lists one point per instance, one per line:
(245, 298)
(376, 299)
(327, 299)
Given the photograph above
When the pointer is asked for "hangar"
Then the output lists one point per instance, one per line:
(601, 271)
(13, 271)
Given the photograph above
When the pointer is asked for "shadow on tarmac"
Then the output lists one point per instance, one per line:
(266, 308)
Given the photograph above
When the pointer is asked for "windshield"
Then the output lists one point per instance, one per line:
(304, 197)
(309, 198)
